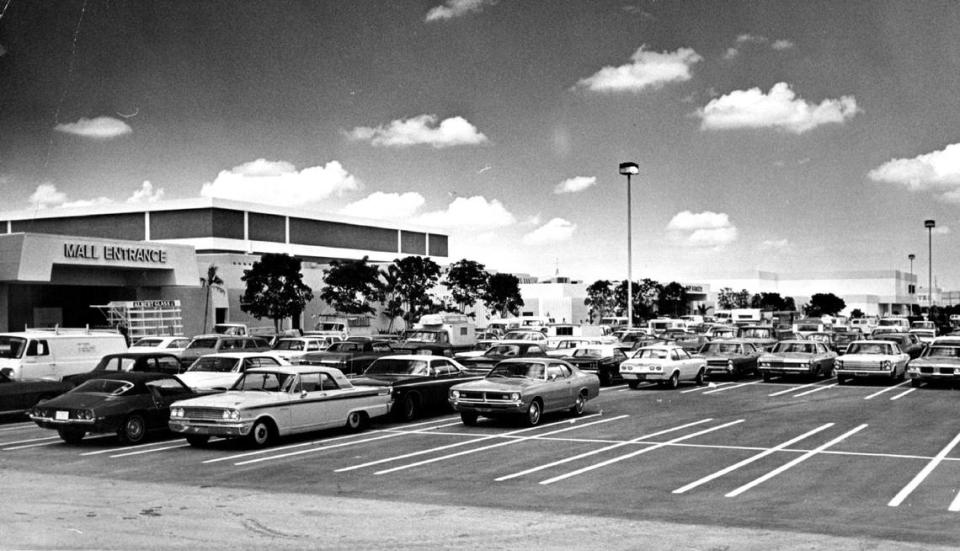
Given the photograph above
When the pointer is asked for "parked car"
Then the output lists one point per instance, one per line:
(202, 345)
(871, 358)
(141, 362)
(732, 357)
(418, 383)
(666, 364)
(799, 357)
(533, 335)
(925, 336)
(762, 336)
(501, 351)
(267, 403)
(908, 342)
(722, 332)
(691, 343)
(17, 396)
(171, 345)
(221, 371)
(844, 338)
(292, 349)
(828, 338)
(558, 347)
(939, 362)
(601, 360)
(525, 388)
(350, 357)
(56, 353)
(126, 403)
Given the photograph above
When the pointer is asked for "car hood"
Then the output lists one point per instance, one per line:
(868, 358)
(498, 384)
(935, 361)
(788, 356)
(470, 354)
(234, 399)
(202, 379)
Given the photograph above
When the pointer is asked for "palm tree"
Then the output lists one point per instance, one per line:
(211, 280)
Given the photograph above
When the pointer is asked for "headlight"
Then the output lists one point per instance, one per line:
(886, 364)
(455, 393)
(515, 396)
(85, 414)
(231, 415)
(730, 364)
(838, 364)
(176, 412)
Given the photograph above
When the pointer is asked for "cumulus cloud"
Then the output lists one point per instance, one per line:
(146, 194)
(939, 170)
(280, 183)
(780, 108)
(457, 8)
(774, 244)
(87, 202)
(47, 195)
(704, 229)
(390, 206)
(574, 185)
(420, 130)
(731, 53)
(645, 70)
(469, 213)
(100, 128)
(940, 230)
(554, 231)
(782, 44)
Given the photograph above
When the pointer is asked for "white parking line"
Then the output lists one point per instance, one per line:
(636, 453)
(625, 389)
(28, 441)
(618, 387)
(707, 387)
(601, 450)
(912, 485)
(446, 447)
(888, 389)
(714, 391)
(749, 460)
(796, 461)
(25, 446)
(902, 394)
(794, 389)
(125, 448)
(18, 426)
(491, 446)
(151, 450)
(818, 389)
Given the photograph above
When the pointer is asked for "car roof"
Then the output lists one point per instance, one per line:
(414, 357)
(137, 355)
(134, 376)
(660, 347)
(240, 355)
(296, 369)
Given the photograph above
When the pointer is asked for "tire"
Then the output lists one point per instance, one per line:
(409, 407)
(674, 380)
(356, 420)
(261, 434)
(534, 412)
(766, 377)
(699, 378)
(469, 419)
(604, 376)
(633, 384)
(198, 440)
(133, 430)
(578, 406)
(71, 435)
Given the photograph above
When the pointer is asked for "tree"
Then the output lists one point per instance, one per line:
(825, 304)
(673, 297)
(769, 301)
(502, 294)
(275, 288)
(392, 302)
(212, 281)
(599, 299)
(351, 285)
(856, 313)
(466, 280)
(415, 277)
(646, 294)
(727, 299)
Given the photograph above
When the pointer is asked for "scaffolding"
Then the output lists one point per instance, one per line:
(144, 318)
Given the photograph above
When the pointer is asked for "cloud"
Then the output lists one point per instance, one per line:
(782, 44)
(100, 128)
(86, 202)
(469, 213)
(554, 231)
(279, 183)
(940, 230)
(774, 244)
(705, 229)
(146, 194)
(779, 109)
(939, 170)
(391, 206)
(574, 185)
(532, 221)
(457, 8)
(47, 195)
(731, 53)
(419, 130)
(646, 70)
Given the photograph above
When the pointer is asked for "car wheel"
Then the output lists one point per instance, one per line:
(71, 435)
(578, 406)
(534, 411)
(469, 419)
(356, 420)
(699, 378)
(134, 429)
(260, 434)
(633, 384)
(409, 407)
(198, 440)
(674, 380)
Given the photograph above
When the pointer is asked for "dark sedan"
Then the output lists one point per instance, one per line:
(419, 382)
(601, 360)
(504, 350)
(141, 362)
(732, 357)
(908, 342)
(17, 397)
(128, 404)
(350, 357)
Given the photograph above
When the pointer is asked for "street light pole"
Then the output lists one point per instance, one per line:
(929, 224)
(629, 169)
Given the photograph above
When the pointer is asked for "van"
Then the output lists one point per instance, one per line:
(54, 353)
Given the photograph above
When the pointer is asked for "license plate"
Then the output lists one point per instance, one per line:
(61, 415)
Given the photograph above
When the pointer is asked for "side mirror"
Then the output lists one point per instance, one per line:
(303, 393)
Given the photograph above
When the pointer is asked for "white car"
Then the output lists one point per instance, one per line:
(664, 363)
(221, 371)
(872, 358)
(292, 349)
(925, 336)
(173, 345)
(559, 347)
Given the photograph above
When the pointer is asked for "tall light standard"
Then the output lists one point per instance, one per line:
(929, 224)
(629, 169)
(911, 256)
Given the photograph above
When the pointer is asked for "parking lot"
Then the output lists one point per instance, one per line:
(868, 460)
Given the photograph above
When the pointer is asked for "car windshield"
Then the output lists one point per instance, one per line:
(268, 382)
(523, 336)
(104, 386)
(424, 336)
(755, 333)
(589, 353)
(203, 343)
(215, 364)
(521, 370)
(653, 353)
(720, 348)
(868, 348)
(290, 345)
(892, 338)
(116, 363)
(11, 347)
(793, 348)
(943, 352)
(394, 366)
(148, 342)
(503, 350)
(807, 327)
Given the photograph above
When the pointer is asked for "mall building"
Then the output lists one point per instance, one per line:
(76, 267)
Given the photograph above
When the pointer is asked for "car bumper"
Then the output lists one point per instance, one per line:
(488, 407)
(651, 376)
(225, 430)
(934, 374)
(101, 425)
(845, 372)
(787, 370)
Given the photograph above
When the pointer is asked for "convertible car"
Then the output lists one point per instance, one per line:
(525, 388)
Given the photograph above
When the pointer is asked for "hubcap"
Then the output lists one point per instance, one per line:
(534, 412)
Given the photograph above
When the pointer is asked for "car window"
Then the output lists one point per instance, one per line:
(38, 348)
(309, 382)
(443, 367)
(564, 371)
(381, 347)
(327, 382)
(167, 364)
(230, 344)
(178, 343)
(554, 371)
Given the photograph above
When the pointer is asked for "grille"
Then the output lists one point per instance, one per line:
(864, 366)
(717, 363)
(206, 414)
(947, 370)
(484, 396)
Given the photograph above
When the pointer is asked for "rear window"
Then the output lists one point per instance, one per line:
(203, 343)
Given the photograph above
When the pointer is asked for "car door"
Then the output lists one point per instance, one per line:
(682, 362)
(557, 387)
(308, 409)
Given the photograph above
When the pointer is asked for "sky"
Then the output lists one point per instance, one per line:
(802, 136)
